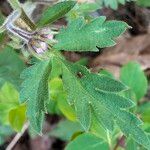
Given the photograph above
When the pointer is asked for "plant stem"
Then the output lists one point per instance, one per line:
(14, 4)
(27, 20)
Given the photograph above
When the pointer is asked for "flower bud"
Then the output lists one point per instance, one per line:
(38, 46)
(38, 41)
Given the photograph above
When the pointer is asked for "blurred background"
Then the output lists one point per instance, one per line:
(134, 45)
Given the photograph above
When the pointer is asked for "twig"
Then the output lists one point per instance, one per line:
(17, 137)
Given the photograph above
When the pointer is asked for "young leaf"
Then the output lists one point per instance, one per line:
(35, 92)
(133, 76)
(58, 94)
(55, 12)
(8, 100)
(87, 141)
(98, 95)
(17, 117)
(82, 36)
(55, 72)
(11, 66)
(82, 9)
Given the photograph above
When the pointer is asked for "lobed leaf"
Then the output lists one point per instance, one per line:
(93, 94)
(35, 93)
(82, 36)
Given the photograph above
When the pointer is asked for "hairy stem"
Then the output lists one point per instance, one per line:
(27, 20)
(14, 4)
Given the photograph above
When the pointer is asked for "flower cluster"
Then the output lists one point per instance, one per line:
(38, 41)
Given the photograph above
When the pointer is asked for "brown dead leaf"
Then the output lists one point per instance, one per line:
(127, 49)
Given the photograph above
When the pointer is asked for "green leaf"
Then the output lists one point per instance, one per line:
(8, 94)
(52, 108)
(131, 145)
(55, 12)
(129, 126)
(98, 130)
(8, 100)
(1, 82)
(65, 130)
(133, 76)
(55, 72)
(112, 3)
(65, 108)
(17, 117)
(11, 66)
(58, 94)
(82, 36)
(87, 7)
(56, 88)
(83, 61)
(5, 131)
(82, 10)
(35, 92)
(87, 141)
(143, 3)
(107, 73)
(98, 95)
(144, 111)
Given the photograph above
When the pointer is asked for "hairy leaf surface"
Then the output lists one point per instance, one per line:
(56, 12)
(98, 95)
(82, 36)
(11, 66)
(35, 92)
